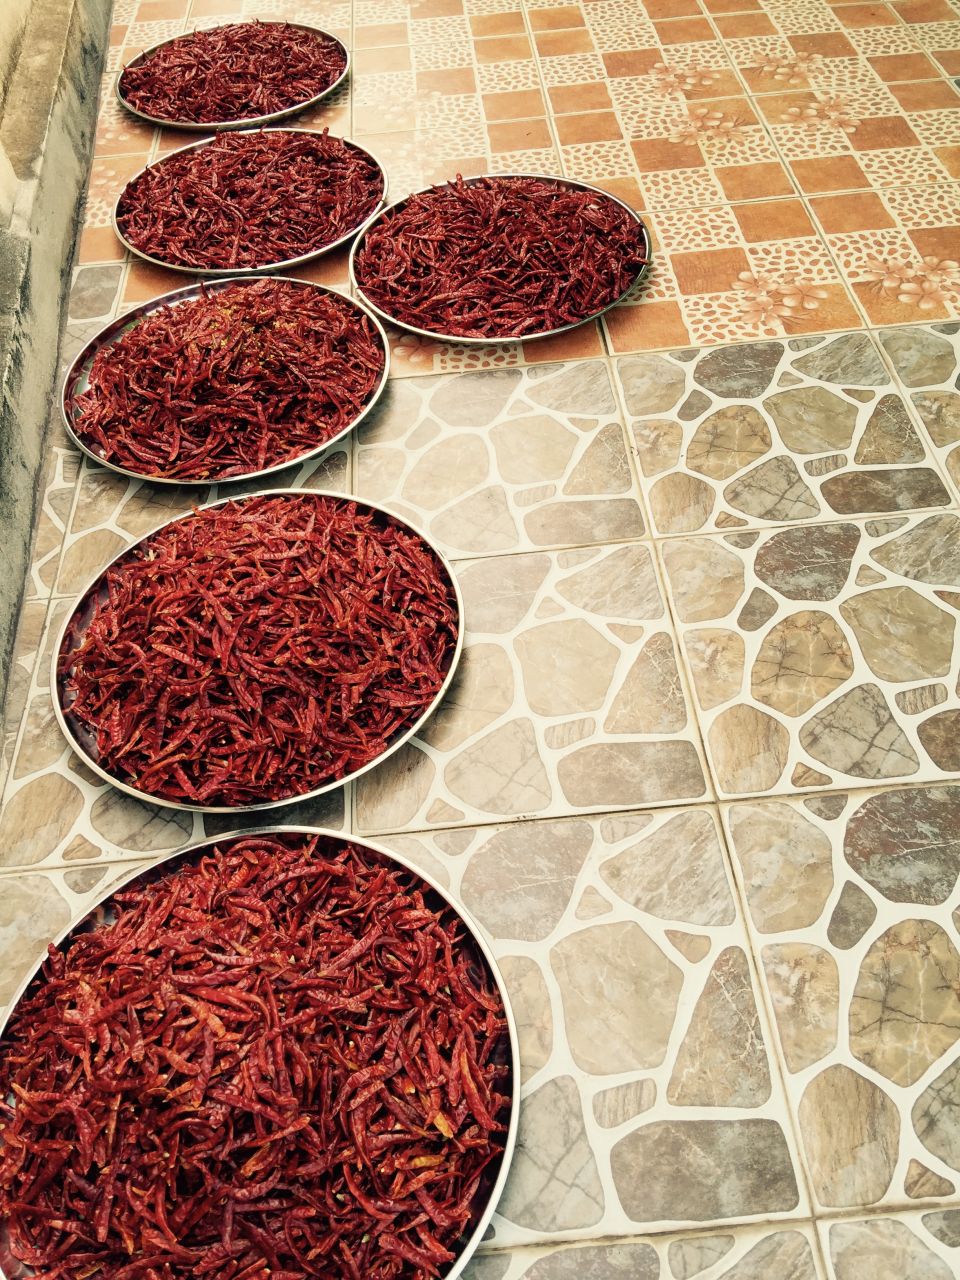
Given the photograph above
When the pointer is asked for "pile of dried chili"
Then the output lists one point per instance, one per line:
(499, 257)
(243, 377)
(284, 1058)
(250, 200)
(258, 649)
(235, 72)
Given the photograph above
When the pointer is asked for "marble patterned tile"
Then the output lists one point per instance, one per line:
(640, 1031)
(926, 361)
(503, 460)
(902, 1246)
(57, 486)
(568, 698)
(823, 655)
(761, 1253)
(852, 901)
(797, 430)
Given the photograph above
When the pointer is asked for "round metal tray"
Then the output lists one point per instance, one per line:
(264, 267)
(219, 126)
(77, 379)
(438, 336)
(84, 606)
(93, 917)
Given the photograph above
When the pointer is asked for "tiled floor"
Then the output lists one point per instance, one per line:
(699, 776)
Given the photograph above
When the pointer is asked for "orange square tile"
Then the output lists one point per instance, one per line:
(651, 326)
(575, 344)
(709, 271)
(753, 181)
(625, 189)
(738, 25)
(99, 244)
(560, 18)
(633, 62)
(589, 126)
(925, 11)
(949, 59)
(883, 131)
(447, 170)
(519, 135)
(122, 137)
(118, 34)
(145, 281)
(436, 8)
(684, 31)
(926, 95)
(498, 24)
(903, 66)
(773, 220)
(553, 44)
(775, 107)
(513, 104)
(579, 97)
(129, 52)
(731, 6)
(856, 16)
(862, 211)
(502, 49)
(381, 35)
(829, 44)
(455, 81)
(884, 308)
(657, 9)
(656, 154)
(371, 61)
(835, 311)
(937, 242)
(161, 10)
(950, 159)
(829, 173)
(212, 8)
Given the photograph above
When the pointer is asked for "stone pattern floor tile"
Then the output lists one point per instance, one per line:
(903, 1246)
(641, 1037)
(506, 460)
(823, 655)
(763, 1253)
(568, 697)
(773, 432)
(926, 360)
(852, 901)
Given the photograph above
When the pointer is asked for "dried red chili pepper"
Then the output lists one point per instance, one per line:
(499, 257)
(251, 199)
(234, 72)
(256, 1069)
(259, 649)
(238, 379)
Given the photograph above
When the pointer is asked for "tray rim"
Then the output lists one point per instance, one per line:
(474, 928)
(264, 806)
(458, 339)
(115, 328)
(193, 126)
(268, 268)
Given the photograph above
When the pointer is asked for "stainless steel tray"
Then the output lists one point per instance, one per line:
(219, 126)
(262, 268)
(84, 600)
(77, 378)
(91, 918)
(526, 337)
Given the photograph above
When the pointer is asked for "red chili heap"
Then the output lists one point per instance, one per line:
(256, 650)
(499, 257)
(230, 382)
(249, 199)
(282, 1060)
(234, 72)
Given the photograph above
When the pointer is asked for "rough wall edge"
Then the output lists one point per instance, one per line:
(61, 64)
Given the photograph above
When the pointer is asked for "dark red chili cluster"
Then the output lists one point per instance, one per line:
(250, 199)
(235, 72)
(281, 1059)
(500, 257)
(241, 378)
(259, 649)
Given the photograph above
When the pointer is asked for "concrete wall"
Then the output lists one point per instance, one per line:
(51, 61)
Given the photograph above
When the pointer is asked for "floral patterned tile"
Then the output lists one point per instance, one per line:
(926, 360)
(504, 460)
(823, 655)
(772, 432)
(762, 1253)
(897, 250)
(902, 1246)
(730, 273)
(568, 698)
(852, 900)
(640, 1030)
